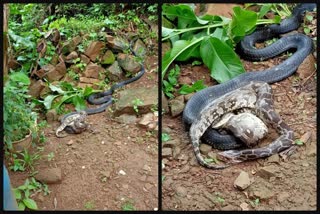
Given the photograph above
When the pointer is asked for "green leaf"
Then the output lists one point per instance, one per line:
(20, 77)
(165, 137)
(196, 62)
(17, 194)
(197, 86)
(87, 91)
(30, 203)
(166, 31)
(299, 142)
(48, 101)
(309, 17)
(21, 206)
(79, 102)
(264, 10)
(56, 89)
(243, 21)
(220, 58)
(178, 48)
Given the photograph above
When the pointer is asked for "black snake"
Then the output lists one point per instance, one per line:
(299, 42)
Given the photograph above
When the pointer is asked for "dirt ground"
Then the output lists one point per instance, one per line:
(291, 184)
(107, 167)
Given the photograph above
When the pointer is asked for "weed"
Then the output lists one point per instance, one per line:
(89, 205)
(172, 81)
(136, 102)
(165, 137)
(50, 156)
(128, 206)
(255, 203)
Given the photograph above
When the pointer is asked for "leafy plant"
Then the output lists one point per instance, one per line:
(128, 206)
(89, 205)
(172, 82)
(27, 162)
(209, 38)
(18, 114)
(165, 137)
(23, 193)
(136, 102)
(197, 86)
(66, 93)
(255, 203)
(50, 156)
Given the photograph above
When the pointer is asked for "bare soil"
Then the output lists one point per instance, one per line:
(107, 167)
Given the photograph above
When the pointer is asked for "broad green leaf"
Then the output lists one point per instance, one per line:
(191, 52)
(56, 89)
(87, 91)
(21, 206)
(17, 194)
(20, 77)
(242, 22)
(30, 203)
(166, 31)
(222, 61)
(65, 98)
(21, 58)
(263, 10)
(165, 137)
(48, 101)
(79, 102)
(177, 49)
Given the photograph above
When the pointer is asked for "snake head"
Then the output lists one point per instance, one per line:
(230, 156)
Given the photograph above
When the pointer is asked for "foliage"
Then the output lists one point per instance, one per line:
(165, 137)
(209, 38)
(128, 206)
(23, 193)
(66, 93)
(18, 115)
(197, 86)
(27, 162)
(89, 205)
(136, 102)
(170, 84)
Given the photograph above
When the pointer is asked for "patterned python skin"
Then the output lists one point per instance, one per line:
(256, 96)
(75, 122)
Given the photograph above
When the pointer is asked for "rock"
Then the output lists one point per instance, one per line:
(52, 115)
(49, 176)
(212, 155)
(306, 137)
(307, 67)
(73, 55)
(244, 206)
(165, 106)
(268, 171)
(93, 70)
(184, 80)
(115, 73)
(140, 48)
(128, 63)
(146, 119)
(121, 172)
(181, 191)
(70, 142)
(84, 59)
(311, 150)
(188, 96)
(36, 87)
(176, 152)
(127, 119)
(13, 64)
(273, 159)
(166, 152)
(205, 148)
(261, 189)
(108, 58)
(229, 207)
(176, 106)
(71, 45)
(94, 49)
(88, 80)
(171, 143)
(242, 181)
(127, 98)
(117, 43)
(75, 69)
(57, 73)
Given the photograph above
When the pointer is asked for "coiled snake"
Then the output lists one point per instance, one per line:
(299, 42)
(196, 111)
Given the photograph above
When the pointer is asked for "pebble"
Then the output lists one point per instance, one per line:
(242, 181)
(166, 152)
(244, 206)
(121, 172)
(205, 149)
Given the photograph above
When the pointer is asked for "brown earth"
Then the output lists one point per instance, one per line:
(289, 184)
(109, 166)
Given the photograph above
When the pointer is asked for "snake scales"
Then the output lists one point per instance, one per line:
(302, 45)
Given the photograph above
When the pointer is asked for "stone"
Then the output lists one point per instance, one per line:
(273, 159)
(187, 97)
(242, 181)
(52, 115)
(171, 143)
(212, 155)
(126, 98)
(307, 67)
(165, 106)
(73, 55)
(108, 58)
(128, 63)
(49, 175)
(244, 206)
(93, 70)
(126, 119)
(115, 73)
(311, 150)
(181, 191)
(184, 80)
(146, 119)
(88, 80)
(205, 148)
(306, 137)
(94, 49)
(36, 87)
(57, 73)
(84, 59)
(176, 107)
(166, 152)
(117, 43)
(268, 171)
(139, 48)
(71, 45)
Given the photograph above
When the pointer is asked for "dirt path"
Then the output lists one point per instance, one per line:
(109, 167)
